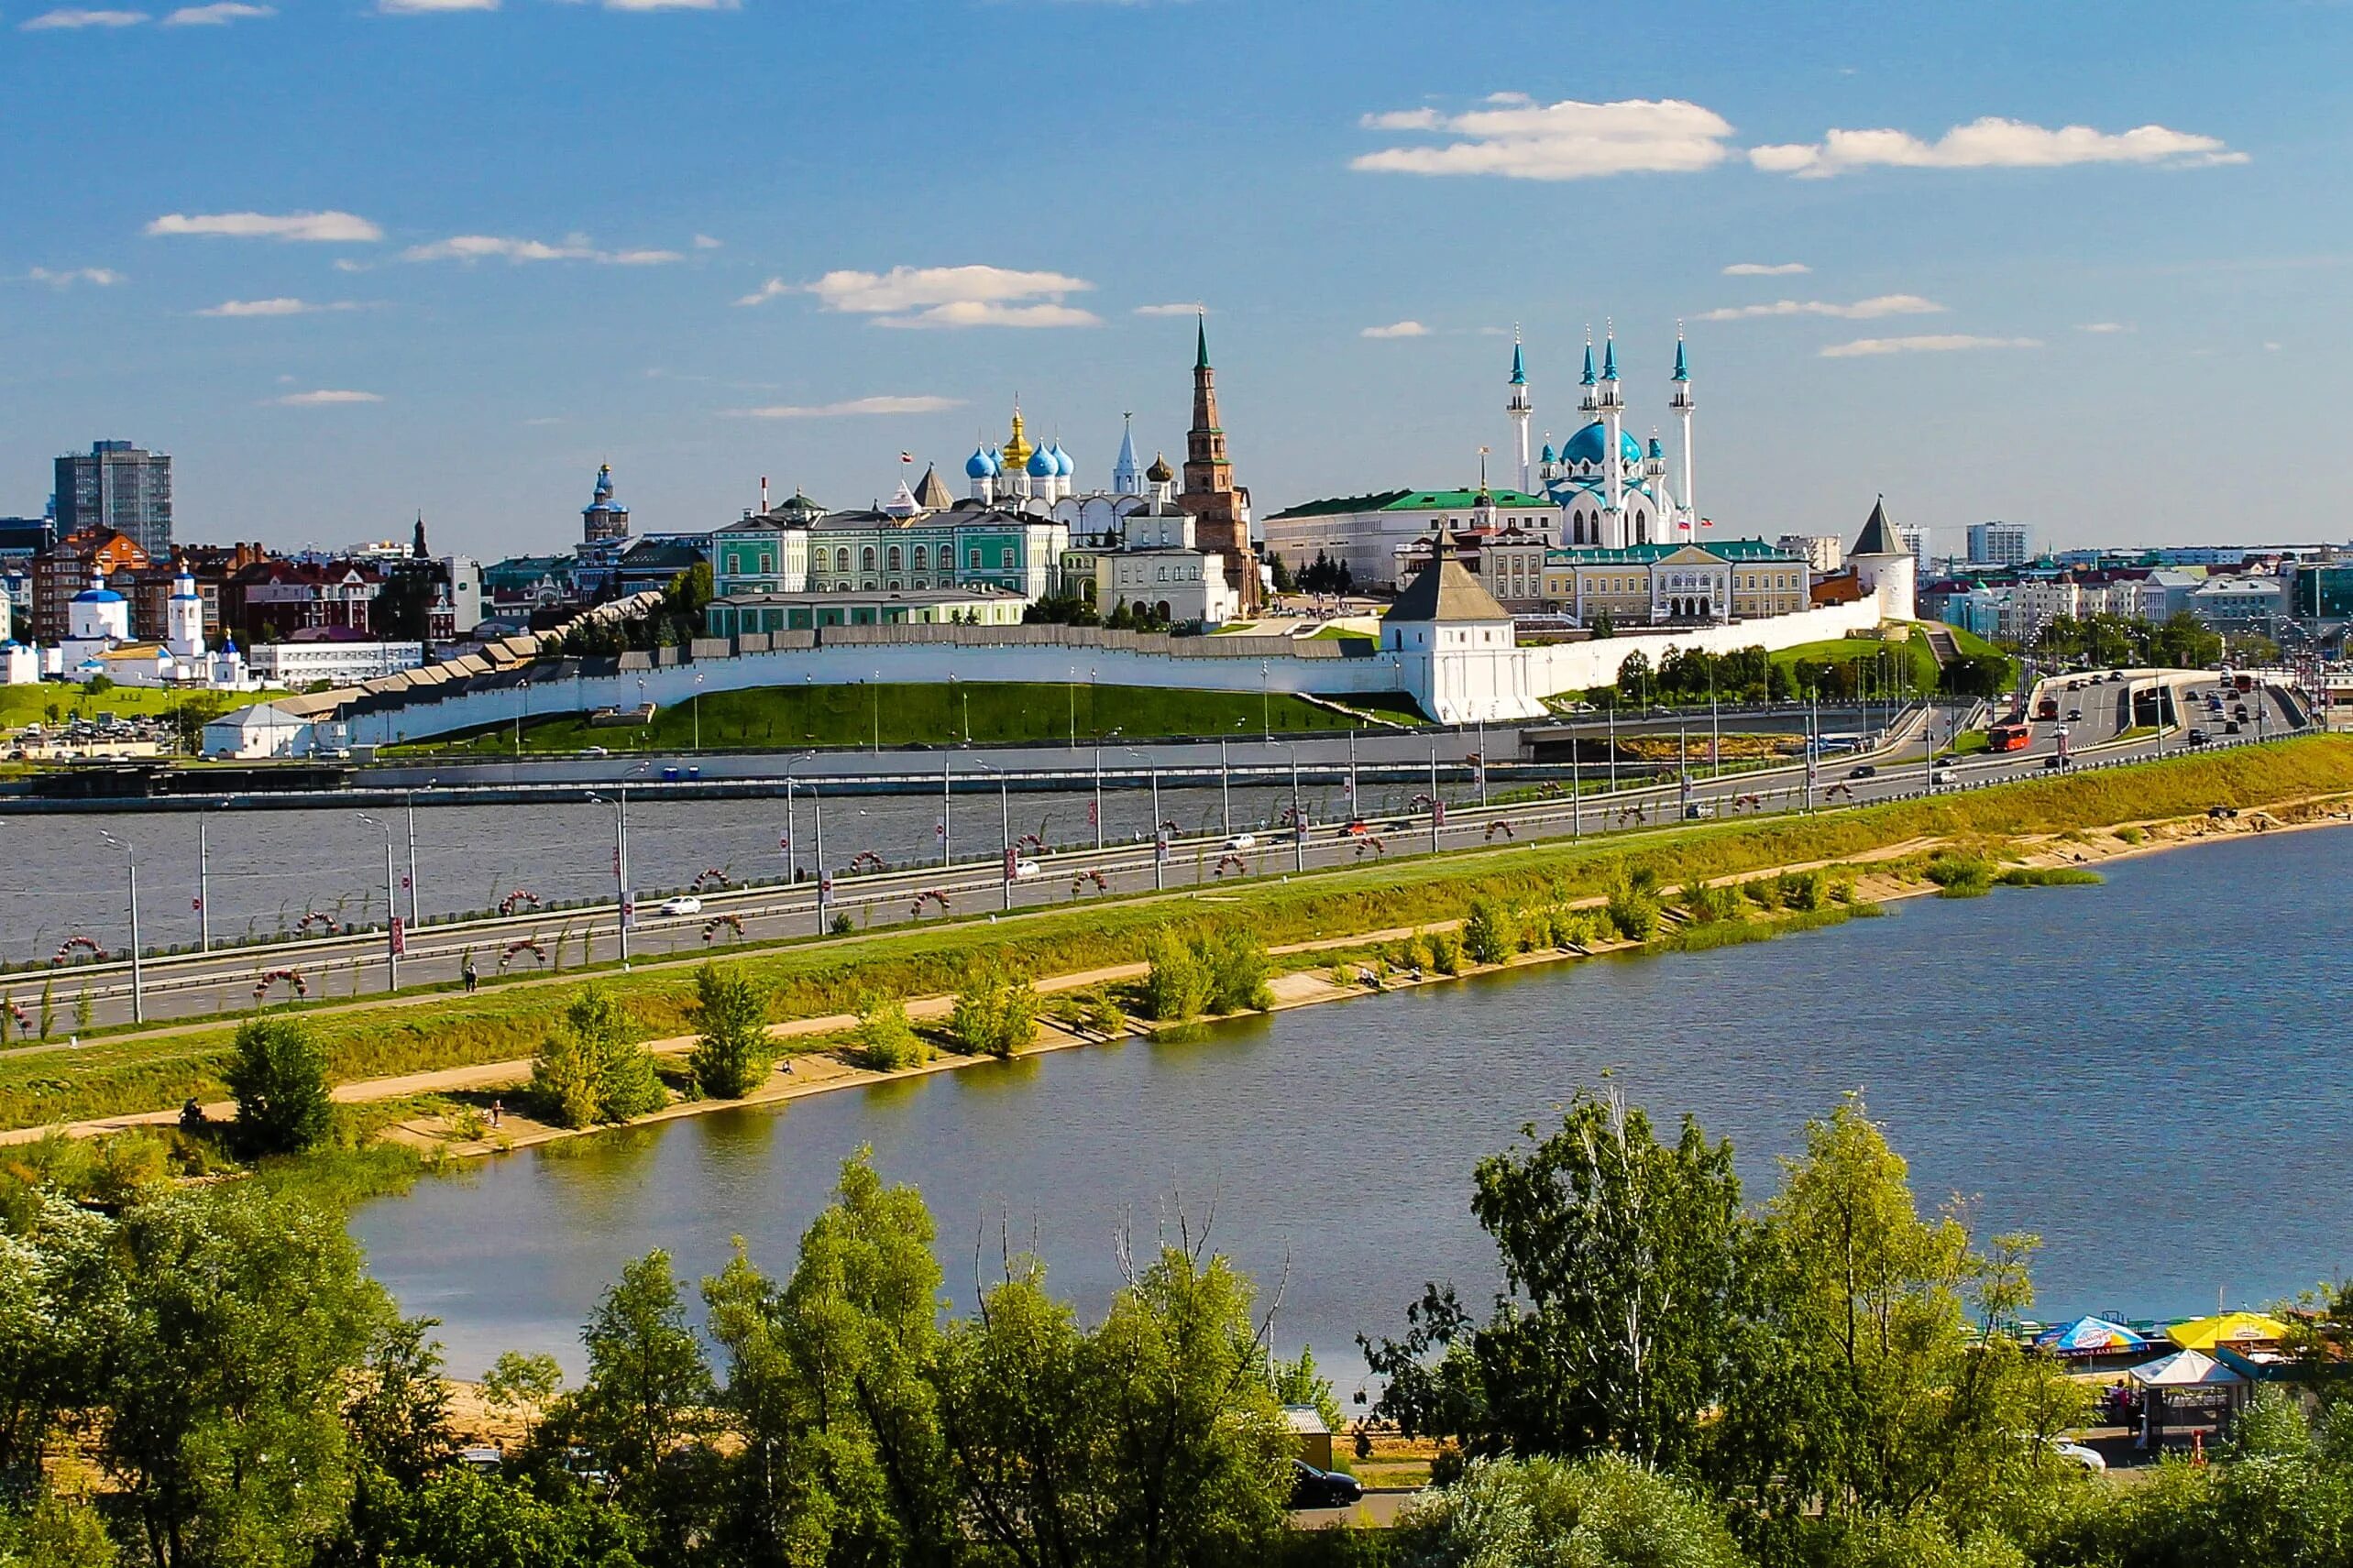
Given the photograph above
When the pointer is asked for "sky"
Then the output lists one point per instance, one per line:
(2081, 266)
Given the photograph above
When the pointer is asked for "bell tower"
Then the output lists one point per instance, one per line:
(1221, 518)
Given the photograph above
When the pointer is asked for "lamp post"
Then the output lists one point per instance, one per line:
(411, 805)
(696, 704)
(392, 908)
(875, 689)
(1482, 722)
(203, 885)
(1160, 828)
(523, 711)
(1265, 705)
(1437, 808)
(623, 911)
(139, 975)
(1004, 825)
(946, 801)
(824, 877)
(1298, 815)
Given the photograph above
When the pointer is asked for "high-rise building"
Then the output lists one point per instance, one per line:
(1915, 541)
(2000, 543)
(117, 486)
(1220, 510)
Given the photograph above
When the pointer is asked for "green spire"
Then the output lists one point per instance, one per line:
(1200, 354)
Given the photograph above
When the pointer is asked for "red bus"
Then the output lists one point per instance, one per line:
(2048, 708)
(2006, 737)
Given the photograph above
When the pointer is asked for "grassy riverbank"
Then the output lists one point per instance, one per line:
(986, 713)
(816, 979)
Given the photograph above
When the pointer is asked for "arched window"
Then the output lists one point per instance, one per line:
(920, 561)
(895, 559)
(842, 559)
(867, 559)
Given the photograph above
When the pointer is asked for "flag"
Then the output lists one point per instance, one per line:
(907, 456)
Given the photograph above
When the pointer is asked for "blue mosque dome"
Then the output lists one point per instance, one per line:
(1042, 465)
(1657, 450)
(1589, 444)
(981, 465)
(1548, 453)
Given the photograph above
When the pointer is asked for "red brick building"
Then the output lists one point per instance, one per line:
(1221, 512)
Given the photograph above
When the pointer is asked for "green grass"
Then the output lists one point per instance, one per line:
(791, 717)
(1853, 649)
(1335, 632)
(127, 1071)
(20, 706)
(1966, 743)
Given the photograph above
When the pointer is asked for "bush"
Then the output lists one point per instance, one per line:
(1706, 904)
(1488, 936)
(885, 1040)
(1764, 892)
(734, 1052)
(1805, 891)
(279, 1077)
(591, 1068)
(1408, 954)
(996, 1013)
(843, 926)
(1633, 912)
(1960, 876)
(1446, 952)
(1178, 988)
(1237, 961)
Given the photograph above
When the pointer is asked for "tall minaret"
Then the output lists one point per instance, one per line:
(1682, 405)
(1520, 407)
(1611, 403)
(1126, 478)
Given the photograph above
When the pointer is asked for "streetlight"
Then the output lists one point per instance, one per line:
(696, 704)
(392, 908)
(1004, 823)
(1298, 815)
(1437, 807)
(875, 690)
(1098, 784)
(1266, 706)
(413, 917)
(139, 975)
(621, 906)
(523, 711)
(203, 883)
(1160, 828)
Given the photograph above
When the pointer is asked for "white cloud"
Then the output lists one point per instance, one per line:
(1859, 311)
(1175, 308)
(945, 297)
(496, 247)
(324, 398)
(673, 5)
(1567, 140)
(1992, 143)
(1946, 342)
(2271, 348)
(71, 21)
(1396, 329)
(281, 306)
(335, 228)
(851, 409)
(97, 277)
(1766, 269)
(705, 242)
(2105, 328)
(430, 7)
(217, 16)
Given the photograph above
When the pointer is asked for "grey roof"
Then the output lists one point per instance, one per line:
(1878, 537)
(1443, 590)
(931, 495)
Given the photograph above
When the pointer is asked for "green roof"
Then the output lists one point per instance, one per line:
(1747, 550)
(1415, 500)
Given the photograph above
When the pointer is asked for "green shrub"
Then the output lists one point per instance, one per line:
(2131, 835)
(591, 1068)
(279, 1077)
(2048, 876)
(1178, 989)
(995, 1013)
(1632, 911)
(1489, 936)
(1237, 961)
(1103, 1017)
(1446, 952)
(1408, 954)
(1960, 876)
(1805, 891)
(1764, 892)
(733, 1052)
(885, 1040)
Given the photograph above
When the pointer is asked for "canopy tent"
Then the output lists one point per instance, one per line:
(2090, 1336)
(2227, 1328)
(2184, 1369)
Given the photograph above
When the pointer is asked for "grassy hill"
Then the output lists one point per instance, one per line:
(791, 717)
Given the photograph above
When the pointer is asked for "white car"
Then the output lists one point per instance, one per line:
(1944, 776)
(1242, 841)
(1023, 869)
(683, 904)
(2076, 1453)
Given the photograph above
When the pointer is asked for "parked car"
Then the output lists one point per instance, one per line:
(2076, 1453)
(596, 751)
(684, 904)
(1314, 1489)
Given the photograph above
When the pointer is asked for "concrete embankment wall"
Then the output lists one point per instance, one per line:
(929, 655)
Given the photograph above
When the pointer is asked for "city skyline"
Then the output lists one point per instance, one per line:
(1980, 260)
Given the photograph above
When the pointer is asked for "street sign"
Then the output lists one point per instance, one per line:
(1438, 813)
(629, 912)
(1010, 857)
(400, 937)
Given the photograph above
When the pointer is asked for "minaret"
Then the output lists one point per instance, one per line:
(1681, 404)
(1519, 406)
(1611, 404)
(1127, 478)
(1208, 495)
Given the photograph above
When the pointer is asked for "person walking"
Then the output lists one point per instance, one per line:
(466, 972)
(498, 1109)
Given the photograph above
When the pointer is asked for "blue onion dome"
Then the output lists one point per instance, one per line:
(981, 465)
(1655, 449)
(1548, 453)
(1042, 465)
(1062, 464)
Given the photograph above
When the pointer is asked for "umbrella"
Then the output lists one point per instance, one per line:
(2184, 1369)
(2089, 1337)
(2227, 1328)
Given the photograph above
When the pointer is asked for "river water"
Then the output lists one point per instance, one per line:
(2151, 1074)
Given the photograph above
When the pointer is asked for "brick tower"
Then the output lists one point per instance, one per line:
(1220, 513)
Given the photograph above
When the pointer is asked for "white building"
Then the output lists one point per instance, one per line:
(1915, 539)
(264, 730)
(1884, 567)
(290, 667)
(1456, 648)
(2000, 545)
(1156, 564)
(1823, 554)
(2247, 602)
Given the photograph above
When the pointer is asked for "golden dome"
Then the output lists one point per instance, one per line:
(1017, 449)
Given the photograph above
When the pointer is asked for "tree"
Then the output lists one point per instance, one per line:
(645, 1407)
(1606, 1511)
(1283, 581)
(279, 1077)
(733, 1053)
(1633, 678)
(1621, 1258)
(1176, 988)
(591, 1069)
(830, 1392)
(398, 1429)
(461, 1519)
(1237, 962)
(244, 1317)
(886, 1039)
(58, 1293)
(1487, 934)
(995, 1013)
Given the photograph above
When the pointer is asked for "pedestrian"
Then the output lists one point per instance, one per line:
(498, 1109)
(466, 972)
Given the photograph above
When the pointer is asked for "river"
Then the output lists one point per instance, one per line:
(2148, 1074)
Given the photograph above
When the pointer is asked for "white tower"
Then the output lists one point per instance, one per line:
(1519, 406)
(1609, 401)
(1127, 478)
(183, 619)
(1681, 404)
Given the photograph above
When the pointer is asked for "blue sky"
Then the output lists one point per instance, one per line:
(345, 262)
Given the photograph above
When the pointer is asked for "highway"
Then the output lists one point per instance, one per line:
(202, 986)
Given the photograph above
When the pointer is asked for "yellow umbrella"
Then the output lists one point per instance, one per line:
(2227, 1328)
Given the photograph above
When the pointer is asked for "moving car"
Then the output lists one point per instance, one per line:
(2197, 736)
(1242, 841)
(2074, 716)
(2053, 761)
(1863, 772)
(1944, 776)
(1023, 869)
(1314, 1489)
(2231, 727)
(684, 904)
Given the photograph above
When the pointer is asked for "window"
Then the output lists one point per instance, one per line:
(767, 562)
(842, 559)
(867, 559)
(893, 558)
(920, 553)
(974, 559)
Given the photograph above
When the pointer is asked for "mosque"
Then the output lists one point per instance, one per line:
(1611, 502)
